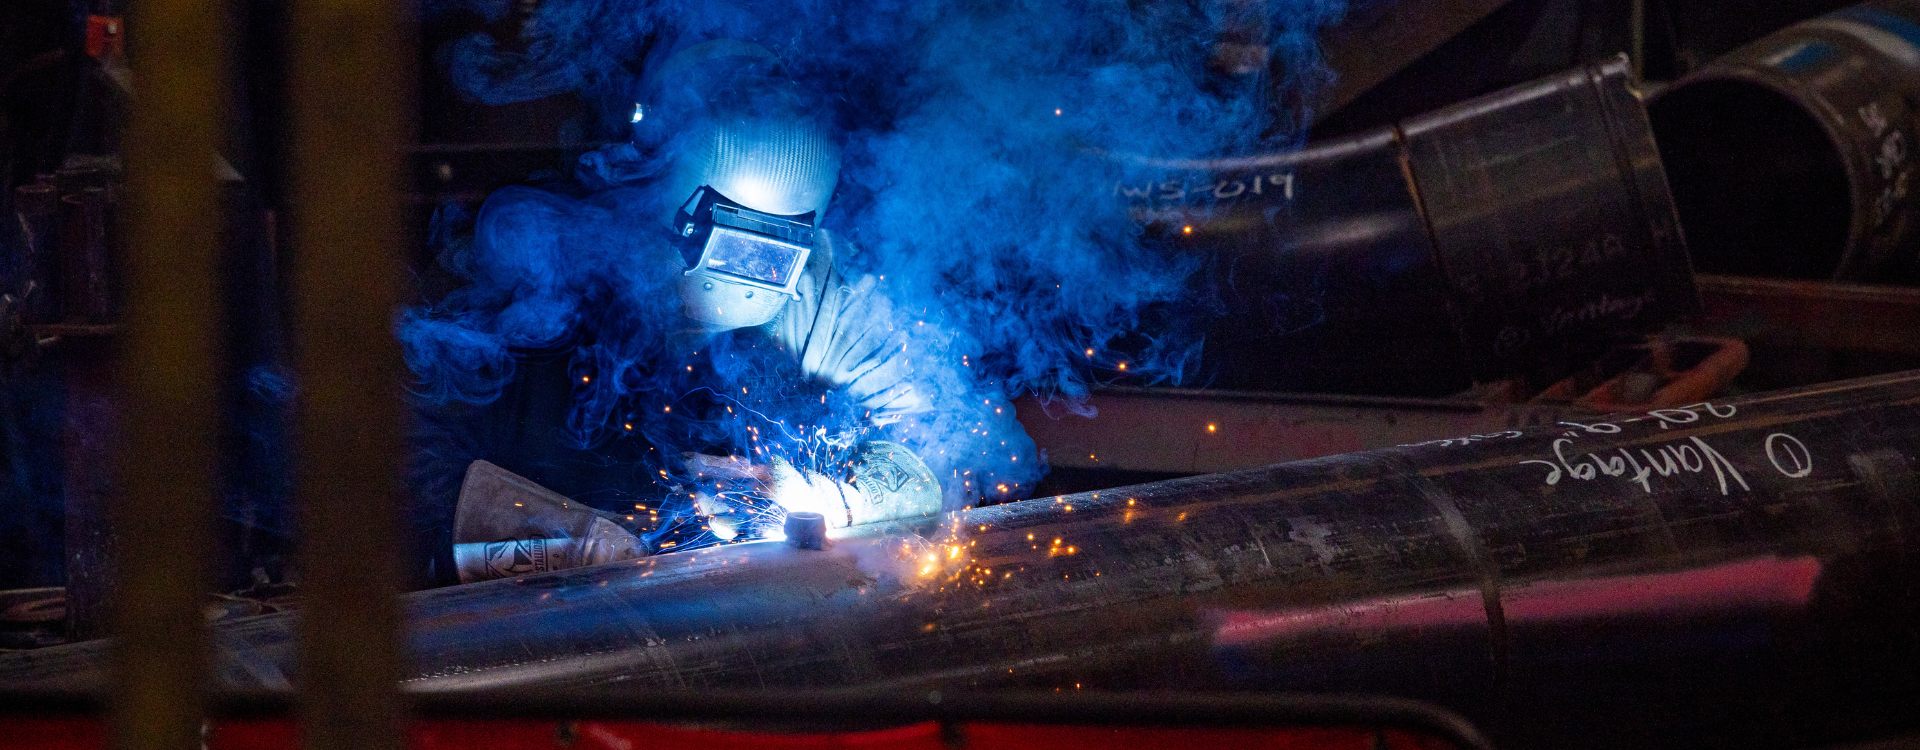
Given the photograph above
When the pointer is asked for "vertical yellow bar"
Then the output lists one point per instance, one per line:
(350, 94)
(168, 370)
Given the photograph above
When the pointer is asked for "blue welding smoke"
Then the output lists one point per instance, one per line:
(983, 142)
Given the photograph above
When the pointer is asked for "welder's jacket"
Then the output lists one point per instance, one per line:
(840, 335)
(842, 332)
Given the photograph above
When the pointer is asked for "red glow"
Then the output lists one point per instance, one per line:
(1760, 583)
(77, 733)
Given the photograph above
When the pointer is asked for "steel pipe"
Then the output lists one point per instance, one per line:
(1793, 157)
(1518, 234)
(1723, 573)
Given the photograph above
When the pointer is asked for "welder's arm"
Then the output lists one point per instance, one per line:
(849, 335)
(845, 334)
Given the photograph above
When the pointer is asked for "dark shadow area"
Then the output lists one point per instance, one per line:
(1760, 187)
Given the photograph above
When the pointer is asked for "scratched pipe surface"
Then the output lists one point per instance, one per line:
(1520, 233)
(1727, 573)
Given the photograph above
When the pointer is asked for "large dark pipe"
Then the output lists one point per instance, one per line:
(1519, 234)
(1722, 574)
(1794, 156)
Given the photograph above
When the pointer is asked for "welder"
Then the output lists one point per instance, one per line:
(743, 164)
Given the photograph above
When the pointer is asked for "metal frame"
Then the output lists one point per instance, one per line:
(350, 121)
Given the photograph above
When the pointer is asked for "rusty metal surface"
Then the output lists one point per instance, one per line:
(1200, 432)
(1672, 578)
(168, 369)
(350, 123)
(1825, 314)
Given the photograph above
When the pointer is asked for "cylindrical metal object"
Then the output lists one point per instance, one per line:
(1794, 155)
(1726, 573)
(35, 208)
(806, 530)
(1518, 234)
(84, 256)
(90, 434)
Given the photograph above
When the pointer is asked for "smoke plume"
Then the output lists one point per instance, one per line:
(983, 142)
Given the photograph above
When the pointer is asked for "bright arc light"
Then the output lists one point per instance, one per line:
(639, 111)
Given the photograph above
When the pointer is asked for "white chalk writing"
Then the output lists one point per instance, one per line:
(1890, 160)
(1789, 456)
(1464, 440)
(1666, 418)
(1693, 456)
(1604, 307)
(1222, 189)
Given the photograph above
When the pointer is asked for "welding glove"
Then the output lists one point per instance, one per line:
(506, 525)
(721, 474)
(886, 482)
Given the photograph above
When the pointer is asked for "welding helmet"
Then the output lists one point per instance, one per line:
(750, 166)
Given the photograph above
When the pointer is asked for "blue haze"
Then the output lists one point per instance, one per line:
(983, 142)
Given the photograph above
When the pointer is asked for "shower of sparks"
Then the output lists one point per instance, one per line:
(735, 500)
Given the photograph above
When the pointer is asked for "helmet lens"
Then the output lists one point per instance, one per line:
(749, 256)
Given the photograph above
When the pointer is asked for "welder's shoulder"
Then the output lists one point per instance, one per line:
(830, 252)
(828, 280)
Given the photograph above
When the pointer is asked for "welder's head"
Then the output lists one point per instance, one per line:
(751, 162)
